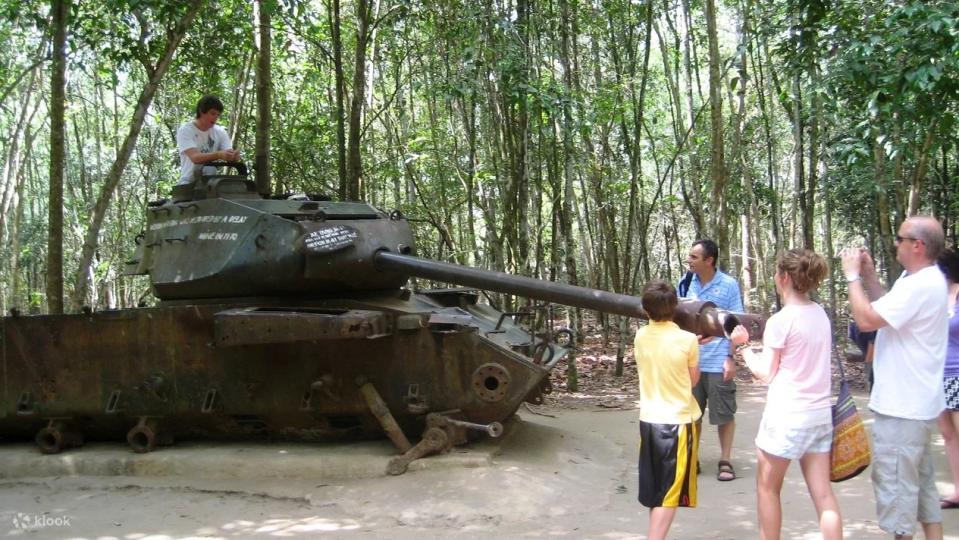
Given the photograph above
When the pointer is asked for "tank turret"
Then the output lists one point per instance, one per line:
(219, 239)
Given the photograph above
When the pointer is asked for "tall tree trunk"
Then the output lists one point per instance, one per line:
(694, 193)
(509, 134)
(898, 185)
(946, 190)
(469, 124)
(519, 177)
(767, 87)
(671, 72)
(809, 197)
(496, 141)
(620, 43)
(717, 166)
(238, 111)
(922, 167)
(340, 95)
(14, 161)
(155, 74)
(354, 165)
(884, 212)
(14, 268)
(741, 168)
(637, 221)
(13, 224)
(371, 65)
(565, 242)
(829, 249)
(263, 98)
(799, 175)
(60, 12)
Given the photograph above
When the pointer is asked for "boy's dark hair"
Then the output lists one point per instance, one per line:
(949, 264)
(206, 103)
(710, 249)
(659, 300)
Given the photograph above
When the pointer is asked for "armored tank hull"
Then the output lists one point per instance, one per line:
(264, 368)
(286, 319)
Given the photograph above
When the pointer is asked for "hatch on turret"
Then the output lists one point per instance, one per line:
(217, 186)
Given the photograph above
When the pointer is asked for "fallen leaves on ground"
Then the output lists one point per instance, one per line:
(601, 389)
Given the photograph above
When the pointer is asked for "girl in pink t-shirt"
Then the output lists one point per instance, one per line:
(797, 422)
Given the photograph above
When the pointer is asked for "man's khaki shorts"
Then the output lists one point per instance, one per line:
(903, 478)
(718, 395)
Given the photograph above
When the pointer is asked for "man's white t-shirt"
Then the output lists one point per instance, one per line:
(190, 136)
(911, 350)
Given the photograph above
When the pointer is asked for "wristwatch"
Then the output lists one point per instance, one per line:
(852, 277)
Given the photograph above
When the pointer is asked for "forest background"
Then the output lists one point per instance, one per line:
(588, 142)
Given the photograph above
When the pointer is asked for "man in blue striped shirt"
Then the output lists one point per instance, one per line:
(717, 385)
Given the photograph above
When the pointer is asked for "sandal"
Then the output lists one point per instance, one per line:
(726, 471)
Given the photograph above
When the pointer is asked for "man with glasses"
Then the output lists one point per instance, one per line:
(907, 396)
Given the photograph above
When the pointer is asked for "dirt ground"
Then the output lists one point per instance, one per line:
(566, 469)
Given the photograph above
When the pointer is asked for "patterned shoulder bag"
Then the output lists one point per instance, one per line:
(850, 442)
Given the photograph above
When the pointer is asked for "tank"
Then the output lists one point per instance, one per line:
(289, 318)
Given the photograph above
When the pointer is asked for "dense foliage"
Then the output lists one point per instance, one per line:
(563, 139)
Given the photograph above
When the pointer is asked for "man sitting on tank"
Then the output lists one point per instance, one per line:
(201, 140)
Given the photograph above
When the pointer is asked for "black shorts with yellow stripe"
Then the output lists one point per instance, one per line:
(667, 464)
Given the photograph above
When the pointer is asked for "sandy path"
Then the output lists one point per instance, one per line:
(566, 473)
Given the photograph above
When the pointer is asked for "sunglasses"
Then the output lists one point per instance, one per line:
(901, 238)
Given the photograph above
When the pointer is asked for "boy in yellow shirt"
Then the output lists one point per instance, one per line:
(667, 359)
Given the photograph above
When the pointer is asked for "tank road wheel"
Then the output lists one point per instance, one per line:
(146, 435)
(57, 437)
(50, 440)
(142, 439)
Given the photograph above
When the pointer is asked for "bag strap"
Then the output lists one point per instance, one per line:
(684, 284)
(842, 373)
(843, 383)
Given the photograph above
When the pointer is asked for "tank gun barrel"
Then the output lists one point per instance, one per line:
(559, 293)
(693, 315)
